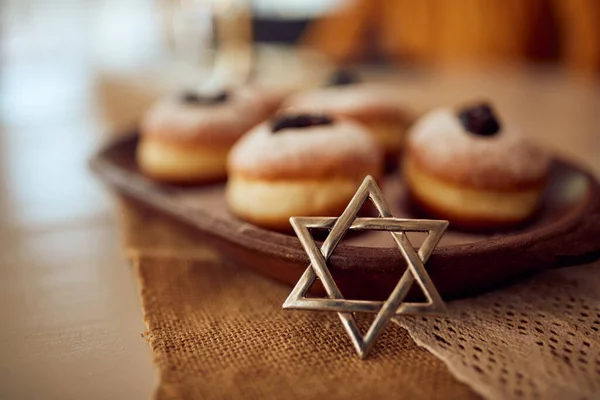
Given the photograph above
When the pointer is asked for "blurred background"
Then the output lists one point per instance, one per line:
(72, 72)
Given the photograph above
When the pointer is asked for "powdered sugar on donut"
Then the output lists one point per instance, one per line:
(172, 119)
(342, 149)
(439, 144)
(355, 101)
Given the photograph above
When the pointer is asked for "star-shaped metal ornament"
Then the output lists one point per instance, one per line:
(384, 310)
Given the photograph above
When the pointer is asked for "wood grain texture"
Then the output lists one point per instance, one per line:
(565, 233)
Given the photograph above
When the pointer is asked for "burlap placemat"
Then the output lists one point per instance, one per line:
(218, 332)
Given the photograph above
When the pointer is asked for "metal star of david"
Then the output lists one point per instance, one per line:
(384, 310)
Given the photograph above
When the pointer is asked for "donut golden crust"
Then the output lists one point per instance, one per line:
(187, 143)
(470, 207)
(473, 181)
(181, 164)
(372, 105)
(312, 171)
(271, 203)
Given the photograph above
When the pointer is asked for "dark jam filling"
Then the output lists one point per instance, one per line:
(479, 119)
(191, 97)
(343, 77)
(298, 121)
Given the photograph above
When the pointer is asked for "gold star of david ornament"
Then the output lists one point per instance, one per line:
(384, 310)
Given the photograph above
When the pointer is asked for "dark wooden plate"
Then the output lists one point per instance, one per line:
(566, 232)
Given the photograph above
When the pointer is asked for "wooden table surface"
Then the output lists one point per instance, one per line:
(70, 317)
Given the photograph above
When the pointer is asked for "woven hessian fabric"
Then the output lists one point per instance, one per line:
(218, 332)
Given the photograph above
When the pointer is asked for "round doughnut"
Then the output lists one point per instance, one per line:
(284, 168)
(491, 178)
(185, 139)
(374, 106)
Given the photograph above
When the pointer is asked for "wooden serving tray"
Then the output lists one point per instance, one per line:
(367, 266)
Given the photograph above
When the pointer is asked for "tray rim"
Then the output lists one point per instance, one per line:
(583, 219)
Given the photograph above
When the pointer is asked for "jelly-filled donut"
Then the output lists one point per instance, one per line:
(373, 105)
(474, 170)
(186, 138)
(299, 165)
